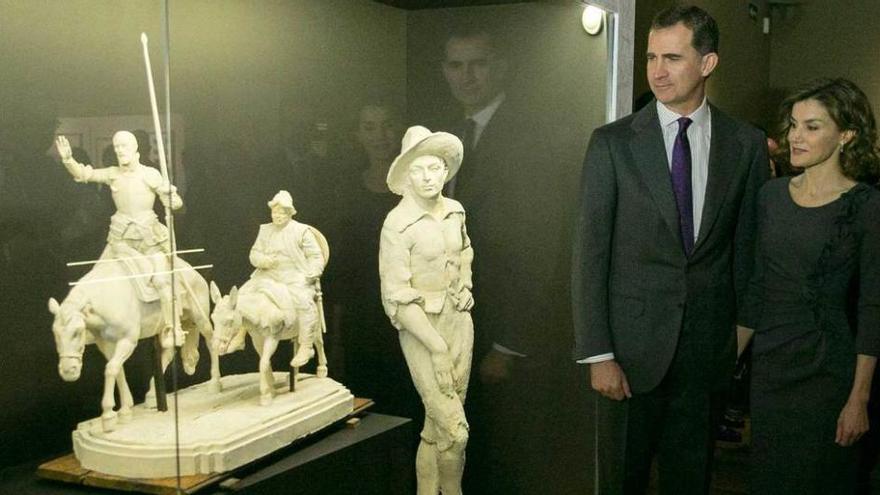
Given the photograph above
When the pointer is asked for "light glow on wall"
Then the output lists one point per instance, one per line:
(592, 19)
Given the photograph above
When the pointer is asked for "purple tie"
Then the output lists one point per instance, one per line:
(681, 184)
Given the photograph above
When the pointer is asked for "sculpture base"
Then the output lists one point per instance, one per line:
(217, 433)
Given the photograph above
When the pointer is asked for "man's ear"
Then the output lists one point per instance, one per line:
(708, 63)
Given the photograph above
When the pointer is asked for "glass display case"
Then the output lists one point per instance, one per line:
(252, 98)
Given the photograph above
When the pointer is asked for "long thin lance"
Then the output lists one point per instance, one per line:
(169, 222)
(160, 147)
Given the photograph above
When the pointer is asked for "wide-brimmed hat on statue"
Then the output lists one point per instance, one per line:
(419, 141)
(284, 200)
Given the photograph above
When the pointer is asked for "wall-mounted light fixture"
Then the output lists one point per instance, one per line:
(592, 19)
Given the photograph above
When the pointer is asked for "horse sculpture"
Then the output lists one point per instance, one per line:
(254, 310)
(105, 309)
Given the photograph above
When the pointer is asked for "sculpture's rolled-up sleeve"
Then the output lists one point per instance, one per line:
(86, 173)
(395, 274)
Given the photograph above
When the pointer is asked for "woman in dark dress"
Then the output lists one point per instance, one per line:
(374, 365)
(818, 239)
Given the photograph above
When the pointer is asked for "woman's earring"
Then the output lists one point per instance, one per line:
(841, 148)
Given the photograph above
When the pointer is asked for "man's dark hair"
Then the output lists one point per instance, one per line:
(475, 30)
(699, 21)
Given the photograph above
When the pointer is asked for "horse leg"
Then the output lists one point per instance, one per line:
(189, 352)
(267, 379)
(214, 385)
(150, 398)
(126, 401)
(166, 358)
(123, 351)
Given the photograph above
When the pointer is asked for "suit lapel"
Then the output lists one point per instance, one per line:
(723, 153)
(649, 154)
(481, 166)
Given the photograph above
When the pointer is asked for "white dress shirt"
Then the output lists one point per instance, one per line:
(700, 136)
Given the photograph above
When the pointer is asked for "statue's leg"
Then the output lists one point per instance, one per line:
(452, 460)
(451, 468)
(308, 321)
(321, 370)
(189, 352)
(445, 424)
(167, 356)
(427, 469)
(267, 379)
(173, 334)
(121, 353)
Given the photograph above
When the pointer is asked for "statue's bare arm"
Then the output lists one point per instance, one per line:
(79, 171)
(414, 320)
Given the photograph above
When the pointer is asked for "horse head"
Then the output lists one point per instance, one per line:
(225, 316)
(69, 329)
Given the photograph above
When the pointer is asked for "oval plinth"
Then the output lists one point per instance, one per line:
(218, 432)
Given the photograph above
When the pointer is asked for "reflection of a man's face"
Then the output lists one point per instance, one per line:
(473, 71)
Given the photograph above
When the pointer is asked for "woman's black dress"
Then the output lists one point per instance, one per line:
(374, 364)
(816, 301)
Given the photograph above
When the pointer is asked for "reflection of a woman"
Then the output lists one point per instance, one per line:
(818, 237)
(378, 134)
(373, 359)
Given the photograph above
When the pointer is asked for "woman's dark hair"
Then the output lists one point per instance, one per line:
(850, 110)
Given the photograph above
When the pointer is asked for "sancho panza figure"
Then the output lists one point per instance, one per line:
(288, 252)
(425, 261)
(136, 235)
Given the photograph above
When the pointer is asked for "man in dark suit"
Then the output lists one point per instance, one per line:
(662, 253)
(510, 185)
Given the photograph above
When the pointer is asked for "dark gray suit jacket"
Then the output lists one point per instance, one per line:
(633, 287)
(510, 186)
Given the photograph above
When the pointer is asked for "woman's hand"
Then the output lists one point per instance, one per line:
(852, 423)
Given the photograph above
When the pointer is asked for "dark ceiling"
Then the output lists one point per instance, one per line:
(438, 4)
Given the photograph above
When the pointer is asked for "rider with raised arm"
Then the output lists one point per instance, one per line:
(136, 235)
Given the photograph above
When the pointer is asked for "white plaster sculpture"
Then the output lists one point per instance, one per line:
(281, 300)
(115, 304)
(135, 231)
(425, 261)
